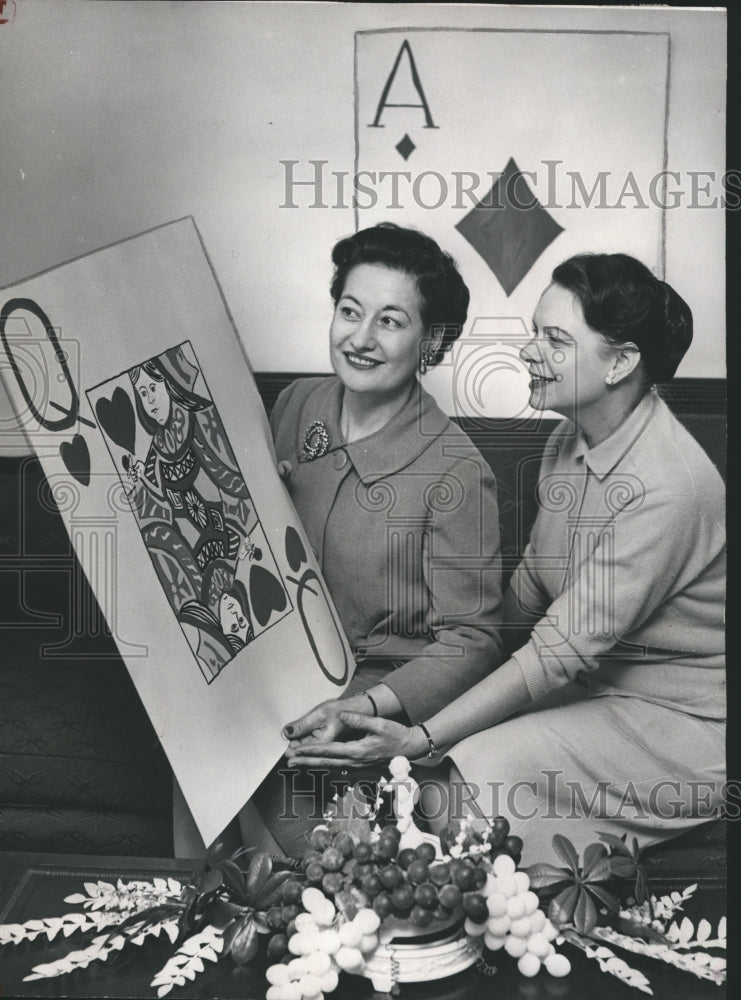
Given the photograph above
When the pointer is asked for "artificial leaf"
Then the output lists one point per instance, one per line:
(616, 843)
(543, 875)
(562, 906)
(258, 874)
(585, 913)
(211, 881)
(703, 930)
(245, 944)
(722, 929)
(566, 852)
(686, 930)
(272, 887)
(606, 898)
(639, 930)
(594, 855)
(622, 867)
(641, 887)
(234, 877)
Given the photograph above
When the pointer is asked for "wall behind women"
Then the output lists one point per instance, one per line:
(116, 117)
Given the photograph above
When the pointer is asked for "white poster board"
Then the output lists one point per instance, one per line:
(515, 149)
(128, 378)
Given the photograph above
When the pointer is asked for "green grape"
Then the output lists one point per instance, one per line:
(419, 917)
(403, 898)
(383, 905)
(406, 857)
(440, 873)
(451, 896)
(418, 872)
(464, 877)
(344, 843)
(332, 859)
(425, 895)
(372, 885)
(362, 851)
(332, 883)
(474, 906)
(425, 852)
(277, 947)
(391, 876)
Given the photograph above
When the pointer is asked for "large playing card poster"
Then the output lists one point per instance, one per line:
(514, 149)
(127, 375)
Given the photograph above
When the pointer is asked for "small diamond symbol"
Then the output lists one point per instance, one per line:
(509, 228)
(405, 147)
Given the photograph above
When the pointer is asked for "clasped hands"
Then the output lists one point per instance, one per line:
(327, 735)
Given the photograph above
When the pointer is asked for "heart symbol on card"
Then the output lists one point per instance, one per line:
(116, 417)
(295, 551)
(76, 457)
(266, 594)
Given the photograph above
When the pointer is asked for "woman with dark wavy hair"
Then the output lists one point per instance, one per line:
(620, 590)
(398, 504)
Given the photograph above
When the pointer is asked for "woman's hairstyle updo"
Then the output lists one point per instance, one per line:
(622, 300)
(443, 294)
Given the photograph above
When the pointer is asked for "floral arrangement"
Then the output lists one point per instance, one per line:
(361, 885)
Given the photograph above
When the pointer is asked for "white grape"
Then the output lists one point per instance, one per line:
(503, 865)
(537, 945)
(558, 965)
(329, 941)
(277, 975)
(350, 934)
(313, 898)
(349, 959)
(506, 883)
(515, 907)
(537, 921)
(305, 922)
(367, 920)
(515, 946)
(523, 881)
(472, 929)
(496, 905)
(531, 901)
(498, 926)
(521, 928)
(329, 981)
(529, 964)
(494, 941)
(368, 943)
(319, 963)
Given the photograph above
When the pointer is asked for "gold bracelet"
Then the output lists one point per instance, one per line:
(433, 751)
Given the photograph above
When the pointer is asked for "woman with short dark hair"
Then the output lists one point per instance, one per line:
(620, 590)
(398, 504)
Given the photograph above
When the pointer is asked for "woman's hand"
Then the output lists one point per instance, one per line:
(383, 739)
(321, 724)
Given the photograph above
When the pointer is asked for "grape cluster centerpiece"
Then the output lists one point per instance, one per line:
(365, 887)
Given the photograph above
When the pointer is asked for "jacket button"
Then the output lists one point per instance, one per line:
(340, 459)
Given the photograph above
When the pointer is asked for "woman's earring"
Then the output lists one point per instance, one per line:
(610, 379)
(427, 359)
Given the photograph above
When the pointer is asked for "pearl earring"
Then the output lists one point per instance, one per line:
(610, 379)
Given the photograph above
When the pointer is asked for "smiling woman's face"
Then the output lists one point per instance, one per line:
(567, 360)
(155, 398)
(376, 331)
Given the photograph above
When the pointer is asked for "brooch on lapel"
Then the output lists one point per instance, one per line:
(316, 442)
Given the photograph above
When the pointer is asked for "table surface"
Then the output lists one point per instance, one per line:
(34, 885)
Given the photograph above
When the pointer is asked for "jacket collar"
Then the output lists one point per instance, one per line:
(396, 445)
(603, 457)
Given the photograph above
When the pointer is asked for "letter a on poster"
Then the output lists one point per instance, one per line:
(128, 378)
